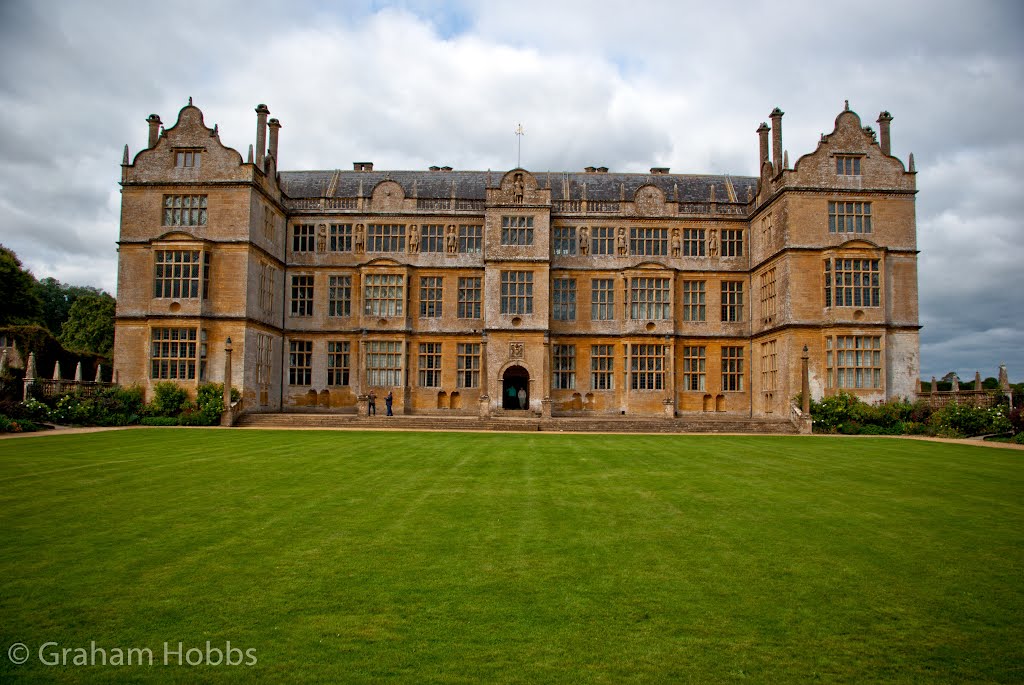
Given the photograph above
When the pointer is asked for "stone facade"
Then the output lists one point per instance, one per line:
(594, 293)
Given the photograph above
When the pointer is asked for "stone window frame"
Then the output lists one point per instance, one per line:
(769, 295)
(849, 165)
(185, 210)
(602, 240)
(264, 355)
(849, 216)
(517, 292)
(732, 301)
(732, 242)
(181, 274)
(187, 158)
(563, 299)
(650, 298)
(300, 362)
(268, 278)
(303, 238)
(517, 231)
(769, 370)
(853, 282)
(563, 241)
(850, 358)
(384, 363)
(431, 296)
(695, 368)
(470, 296)
(648, 241)
(339, 363)
(302, 293)
(467, 357)
(428, 364)
(694, 300)
(384, 294)
(694, 242)
(471, 238)
(385, 238)
(339, 295)
(647, 366)
(732, 368)
(602, 299)
(340, 238)
(173, 352)
(563, 367)
(431, 238)
(602, 367)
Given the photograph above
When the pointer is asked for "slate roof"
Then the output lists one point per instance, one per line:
(472, 185)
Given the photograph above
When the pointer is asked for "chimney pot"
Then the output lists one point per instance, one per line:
(762, 134)
(261, 134)
(274, 125)
(884, 120)
(154, 129)
(776, 117)
(659, 170)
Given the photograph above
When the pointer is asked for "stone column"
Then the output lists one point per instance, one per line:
(225, 418)
(261, 134)
(485, 400)
(805, 382)
(545, 403)
(362, 396)
(762, 134)
(670, 401)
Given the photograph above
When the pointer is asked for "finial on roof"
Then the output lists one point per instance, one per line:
(785, 159)
(822, 139)
(250, 153)
(124, 160)
(846, 105)
(189, 100)
(750, 193)
(675, 191)
(162, 131)
(216, 129)
(712, 192)
(912, 169)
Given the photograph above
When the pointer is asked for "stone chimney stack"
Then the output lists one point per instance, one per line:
(261, 134)
(154, 129)
(762, 134)
(883, 132)
(776, 117)
(274, 125)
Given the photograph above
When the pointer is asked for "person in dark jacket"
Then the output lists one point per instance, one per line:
(387, 402)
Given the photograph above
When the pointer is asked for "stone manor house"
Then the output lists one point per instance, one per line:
(593, 292)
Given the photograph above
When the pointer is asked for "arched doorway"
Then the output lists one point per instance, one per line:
(515, 388)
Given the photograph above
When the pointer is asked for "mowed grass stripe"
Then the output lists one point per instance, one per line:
(420, 557)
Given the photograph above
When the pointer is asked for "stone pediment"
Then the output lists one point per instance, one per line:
(649, 200)
(388, 196)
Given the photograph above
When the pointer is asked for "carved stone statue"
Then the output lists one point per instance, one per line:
(620, 241)
(321, 238)
(517, 189)
(360, 240)
(414, 239)
(451, 240)
(676, 243)
(713, 242)
(584, 238)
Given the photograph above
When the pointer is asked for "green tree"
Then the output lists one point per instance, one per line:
(19, 303)
(90, 324)
(57, 299)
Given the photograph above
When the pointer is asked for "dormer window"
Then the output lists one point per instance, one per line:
(848, 165)
(186, 159)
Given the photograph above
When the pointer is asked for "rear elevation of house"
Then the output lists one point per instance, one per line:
(480, 292)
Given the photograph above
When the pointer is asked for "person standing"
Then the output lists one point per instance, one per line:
(388, 401)
(522, 398)
(372, 409)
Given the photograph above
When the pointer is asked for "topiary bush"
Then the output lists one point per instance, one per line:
(159, 421)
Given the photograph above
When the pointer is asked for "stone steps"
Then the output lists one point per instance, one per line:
(612, 424)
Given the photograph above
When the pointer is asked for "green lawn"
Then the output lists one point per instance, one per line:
(459, 558)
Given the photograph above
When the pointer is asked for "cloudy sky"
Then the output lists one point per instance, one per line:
(623, 85)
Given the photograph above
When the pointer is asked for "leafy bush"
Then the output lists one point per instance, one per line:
(963, 420)
(169, 399)
(9, 425)
(35, 410)
(1019, 438)
(1016, 419)
(159, 421)
(108, 407)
